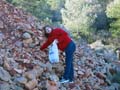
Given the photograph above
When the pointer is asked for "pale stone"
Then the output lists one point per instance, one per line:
(26, 35)
(33, 74)
(31, 84)
(35, 89)
(80, 72)
(51, 85)
(26, 42)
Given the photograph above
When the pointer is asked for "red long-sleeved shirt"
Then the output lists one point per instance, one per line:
(62, 37)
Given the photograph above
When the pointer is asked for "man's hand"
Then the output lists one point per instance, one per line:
(56, 41)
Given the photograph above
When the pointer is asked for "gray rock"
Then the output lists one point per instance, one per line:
(18, 43)
(49, 66)
(54, 77)
(109, 56)
(26, 35)
(16, 87)
(117, 68)
(21, 80)
(1, 60)
(35, 73)
(114, 86)
(42, 84)
(1, 24)
(1, 36)
(4, 86)
(12, 63)
(116, 78)
(4, 75)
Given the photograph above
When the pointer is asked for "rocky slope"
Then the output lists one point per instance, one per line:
(24, 67)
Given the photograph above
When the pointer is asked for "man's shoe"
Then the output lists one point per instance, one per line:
(71, 81)
(64, 81)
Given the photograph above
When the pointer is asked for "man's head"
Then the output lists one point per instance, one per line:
(47, 29)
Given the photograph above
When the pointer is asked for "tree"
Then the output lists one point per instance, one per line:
(38, 8)
(113, 12)
(101, 20)
(77, 16)
(55, 4)
(43, 9)
(10, 1)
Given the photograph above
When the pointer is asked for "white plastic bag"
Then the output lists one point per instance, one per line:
(53, 53)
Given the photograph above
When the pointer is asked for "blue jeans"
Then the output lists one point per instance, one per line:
(69, 70)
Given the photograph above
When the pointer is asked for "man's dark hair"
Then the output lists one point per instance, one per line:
(44, 28)
(47, 26)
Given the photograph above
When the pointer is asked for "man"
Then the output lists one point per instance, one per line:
(66, 45)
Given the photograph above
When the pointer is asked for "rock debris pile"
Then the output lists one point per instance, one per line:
(24, 67)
